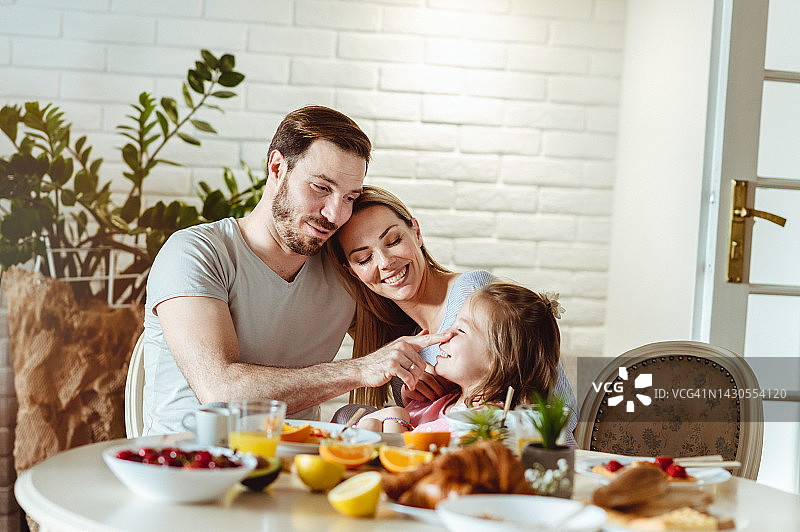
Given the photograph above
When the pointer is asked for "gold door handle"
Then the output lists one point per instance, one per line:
(744, 212)
(740, 213)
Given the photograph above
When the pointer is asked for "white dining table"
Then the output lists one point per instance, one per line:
(75, 491)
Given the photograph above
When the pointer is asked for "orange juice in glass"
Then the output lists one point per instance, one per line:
(255, 426)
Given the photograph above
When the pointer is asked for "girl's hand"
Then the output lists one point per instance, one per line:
(429, 387)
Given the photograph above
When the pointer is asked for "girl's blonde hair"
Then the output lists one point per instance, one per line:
(378, 320)
(523, 339)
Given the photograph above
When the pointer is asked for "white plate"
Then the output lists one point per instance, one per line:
(290, 449)
(704, 475)
(420, 514)
(511, 513)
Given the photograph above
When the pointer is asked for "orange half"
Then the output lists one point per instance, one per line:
(422, 441)
(350, 456)
(298, 434)
(400, 459)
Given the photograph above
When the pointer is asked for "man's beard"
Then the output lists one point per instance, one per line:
(288, 224)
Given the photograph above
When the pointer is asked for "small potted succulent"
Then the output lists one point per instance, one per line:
(551, 466)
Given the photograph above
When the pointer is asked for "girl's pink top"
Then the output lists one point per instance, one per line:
(429, 416)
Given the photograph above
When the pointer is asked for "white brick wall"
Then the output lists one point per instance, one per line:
(496, 120)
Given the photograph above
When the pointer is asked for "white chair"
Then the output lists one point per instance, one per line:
(134, 389)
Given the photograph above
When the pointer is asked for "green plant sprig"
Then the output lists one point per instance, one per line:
(549, 418)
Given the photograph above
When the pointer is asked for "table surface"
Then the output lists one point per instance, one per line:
(75, 490)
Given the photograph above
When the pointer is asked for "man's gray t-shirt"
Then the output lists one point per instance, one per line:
(278, 323)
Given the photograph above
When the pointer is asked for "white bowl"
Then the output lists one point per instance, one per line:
(505, 513)
(177, 484)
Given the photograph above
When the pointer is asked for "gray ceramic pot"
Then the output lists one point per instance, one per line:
(542, 460)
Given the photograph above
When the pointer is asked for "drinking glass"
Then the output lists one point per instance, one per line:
(254, 426)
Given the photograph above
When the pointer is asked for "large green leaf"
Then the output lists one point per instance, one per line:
(84, 182)
(67, 197)
(130, 210)
(202, 71)
(10, 117)
(187, 96)
(215, 207)
(203, 126)
(209, 58)
(188, 217)
(195, 82)
(162, 121)
(131, 156)
(230, 79)
(170, 109)
(227, 63)
(60, 170)
(189, 139)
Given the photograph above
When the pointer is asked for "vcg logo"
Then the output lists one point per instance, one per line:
(644, 380)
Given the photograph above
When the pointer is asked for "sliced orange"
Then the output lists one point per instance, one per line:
(296, 434)
(422, 441)
(400, 459)
(350, 456)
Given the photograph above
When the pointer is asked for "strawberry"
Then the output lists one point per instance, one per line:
(675, 471)
(614, 466)
(663, 462)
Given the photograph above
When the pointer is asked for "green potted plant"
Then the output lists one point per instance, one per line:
(551, 466)
(52, 196)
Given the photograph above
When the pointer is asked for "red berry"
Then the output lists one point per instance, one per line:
(613, 466)
(663, 462)
(675, 471)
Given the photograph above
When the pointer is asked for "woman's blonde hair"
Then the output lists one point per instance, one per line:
(523, 339)
(378, 320)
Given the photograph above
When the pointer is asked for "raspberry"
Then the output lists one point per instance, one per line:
(613, 466)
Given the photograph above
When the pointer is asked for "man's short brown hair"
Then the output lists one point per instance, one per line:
(305, 125)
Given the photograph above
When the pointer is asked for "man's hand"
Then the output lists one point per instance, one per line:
(398, 358)
(429, 387)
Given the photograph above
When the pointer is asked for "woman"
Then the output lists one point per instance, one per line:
(401, 290)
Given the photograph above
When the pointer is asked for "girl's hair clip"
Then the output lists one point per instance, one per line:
(551, 300)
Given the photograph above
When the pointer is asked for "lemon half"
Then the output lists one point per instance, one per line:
(357, 496)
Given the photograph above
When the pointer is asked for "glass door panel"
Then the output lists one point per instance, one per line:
(779, 136)
(783, 47)
(773, 327)
(773, 330)
(775, 249)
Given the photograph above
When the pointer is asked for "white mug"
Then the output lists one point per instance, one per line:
(209, 424)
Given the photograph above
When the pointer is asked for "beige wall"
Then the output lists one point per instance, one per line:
(660, 157)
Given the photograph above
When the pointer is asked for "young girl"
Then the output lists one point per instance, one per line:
(504, 335)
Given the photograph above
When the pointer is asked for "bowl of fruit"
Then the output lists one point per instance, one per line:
(178, 474)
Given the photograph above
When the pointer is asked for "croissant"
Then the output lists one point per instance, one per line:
(485, 467)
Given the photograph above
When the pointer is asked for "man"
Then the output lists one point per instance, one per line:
(247, 308)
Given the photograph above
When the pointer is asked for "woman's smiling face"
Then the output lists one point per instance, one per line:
(383, 252)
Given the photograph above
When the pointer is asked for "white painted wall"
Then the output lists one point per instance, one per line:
(655, 219)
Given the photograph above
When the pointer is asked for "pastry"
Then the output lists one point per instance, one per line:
(485, 467)
(632, 485)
